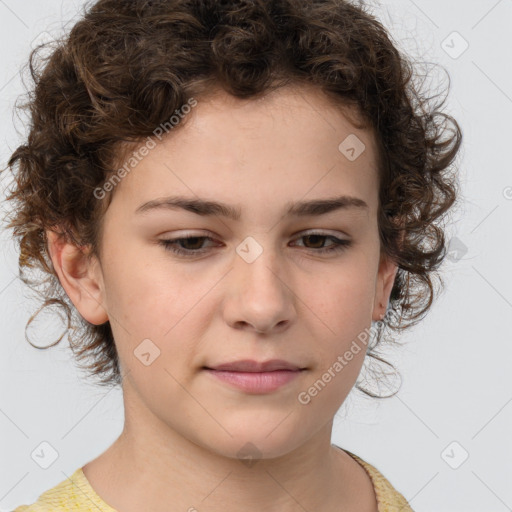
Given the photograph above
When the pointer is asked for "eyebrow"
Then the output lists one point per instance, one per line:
(204, 207)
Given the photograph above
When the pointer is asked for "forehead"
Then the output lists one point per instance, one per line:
(291, 139)
(293, 111)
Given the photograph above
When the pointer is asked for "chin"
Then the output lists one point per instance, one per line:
(250, 446)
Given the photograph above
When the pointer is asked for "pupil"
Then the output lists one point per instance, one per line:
(317, 237)
(191, 240)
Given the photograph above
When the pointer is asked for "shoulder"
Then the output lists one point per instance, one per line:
(72, 493)
(388, 498)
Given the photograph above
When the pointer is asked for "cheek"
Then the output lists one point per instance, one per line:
(146, 292)
(340, 328)
(158, 303)
(344, 299)
(340, 308)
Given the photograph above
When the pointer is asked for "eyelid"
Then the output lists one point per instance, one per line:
(206, 233)
(322, 232)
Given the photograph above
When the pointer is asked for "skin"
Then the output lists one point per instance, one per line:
(183, 427)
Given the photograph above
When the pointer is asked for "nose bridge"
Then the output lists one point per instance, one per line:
(258, 261)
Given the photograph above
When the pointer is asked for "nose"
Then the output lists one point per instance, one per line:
(258, 296)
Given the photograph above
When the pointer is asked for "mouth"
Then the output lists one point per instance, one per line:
(255, 382)
(251, 366)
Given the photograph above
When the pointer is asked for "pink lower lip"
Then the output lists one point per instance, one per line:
(256, 382)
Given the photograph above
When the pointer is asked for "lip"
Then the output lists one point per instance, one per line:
(255, 377)
(256, 382)
(249, 365)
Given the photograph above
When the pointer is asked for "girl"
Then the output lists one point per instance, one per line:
(232, 201)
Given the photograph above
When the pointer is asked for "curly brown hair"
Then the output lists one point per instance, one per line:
(126, 67)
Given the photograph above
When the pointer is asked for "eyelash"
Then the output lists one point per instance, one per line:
(338, 246)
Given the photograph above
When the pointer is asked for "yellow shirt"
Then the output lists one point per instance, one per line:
(76, 493)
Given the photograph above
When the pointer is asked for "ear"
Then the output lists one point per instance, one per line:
(81, 277)
(383, 286)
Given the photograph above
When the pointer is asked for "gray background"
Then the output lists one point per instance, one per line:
(455, 365)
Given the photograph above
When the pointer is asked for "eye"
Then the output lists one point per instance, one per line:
(193, 245)
(338, 244)
(174, 245)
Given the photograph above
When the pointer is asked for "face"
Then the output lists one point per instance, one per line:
(297, 286)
